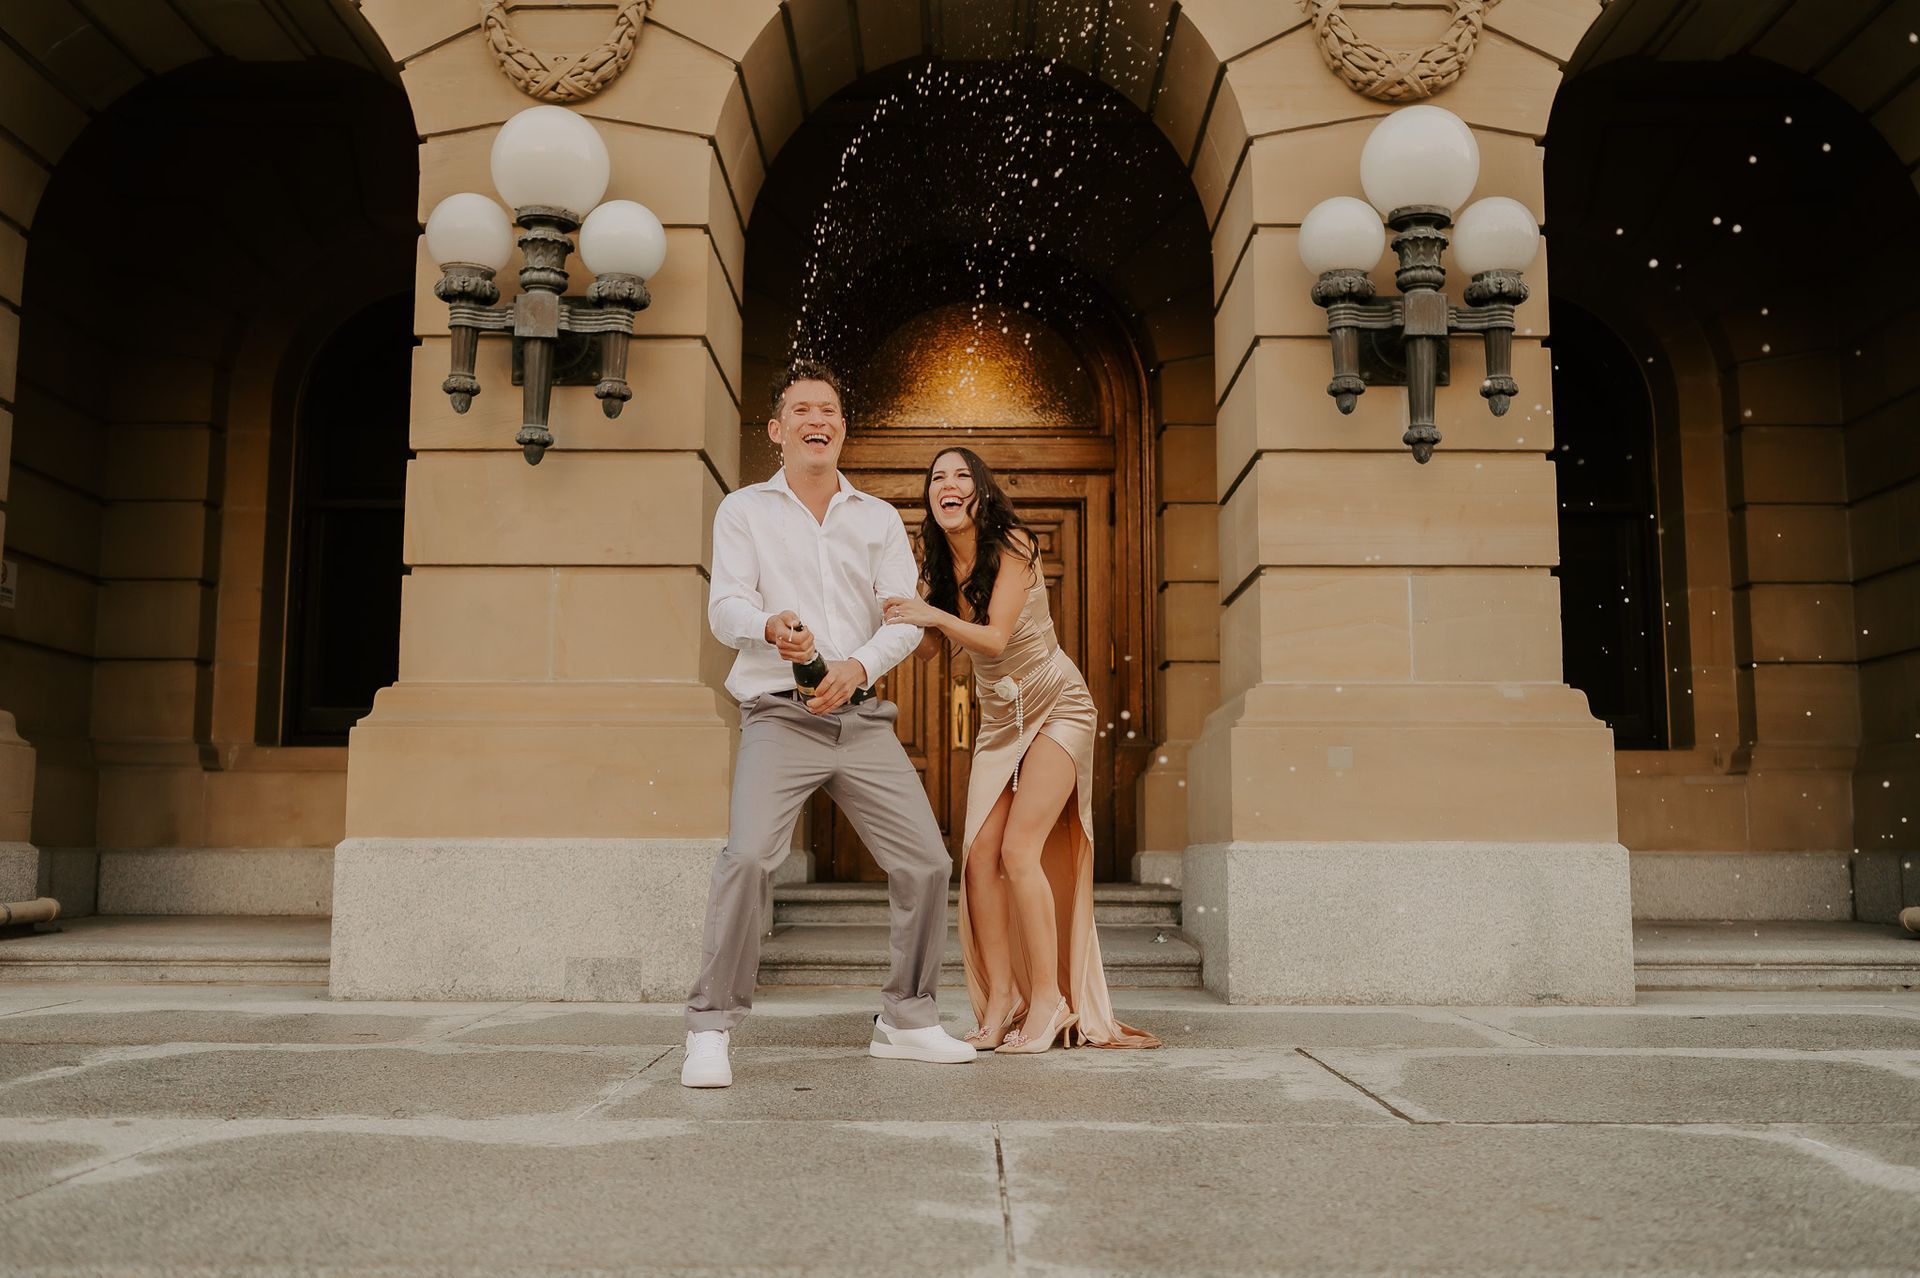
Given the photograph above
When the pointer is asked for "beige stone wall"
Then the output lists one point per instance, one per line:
(42, 673)
(1882, 483)
(55, 528)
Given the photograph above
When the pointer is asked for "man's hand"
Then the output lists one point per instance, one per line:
(844, 678)
(794, 640)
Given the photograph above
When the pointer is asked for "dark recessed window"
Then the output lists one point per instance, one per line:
(349, 482)
(1610, 589)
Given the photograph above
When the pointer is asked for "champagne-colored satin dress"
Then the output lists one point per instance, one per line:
(1033, 689)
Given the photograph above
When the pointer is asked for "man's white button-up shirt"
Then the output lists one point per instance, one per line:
(771, 555)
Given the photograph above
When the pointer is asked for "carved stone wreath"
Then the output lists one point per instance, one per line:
(561, 77)
(1390, 76)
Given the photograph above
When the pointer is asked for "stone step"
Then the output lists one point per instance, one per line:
(155, 950)
(1137, 956)
(853, 903)
(1774, 955)
(170, 949)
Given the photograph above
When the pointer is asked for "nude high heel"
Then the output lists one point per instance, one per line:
(1058, 1028)
(988, 1038)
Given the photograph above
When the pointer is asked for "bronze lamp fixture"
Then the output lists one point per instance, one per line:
(1418, 165)
(550, 165)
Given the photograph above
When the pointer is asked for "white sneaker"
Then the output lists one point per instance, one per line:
(930, 1044)
(706, 1064)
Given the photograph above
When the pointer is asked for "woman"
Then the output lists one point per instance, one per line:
(1026, 891)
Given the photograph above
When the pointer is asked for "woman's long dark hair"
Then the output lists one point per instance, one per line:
(994, 522)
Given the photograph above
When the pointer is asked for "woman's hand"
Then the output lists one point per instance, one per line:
(910, 612)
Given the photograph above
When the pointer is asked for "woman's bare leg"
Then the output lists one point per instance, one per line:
(1047, 780)
(987, 913)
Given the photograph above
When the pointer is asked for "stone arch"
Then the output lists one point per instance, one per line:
(1864, 57)
(1163, 295)
(1122, 264)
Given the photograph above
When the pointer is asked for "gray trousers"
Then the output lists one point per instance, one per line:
(787, 753)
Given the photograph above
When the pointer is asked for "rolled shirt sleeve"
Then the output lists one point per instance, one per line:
(897, 578)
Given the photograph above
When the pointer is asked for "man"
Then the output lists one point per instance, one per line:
(801, 563)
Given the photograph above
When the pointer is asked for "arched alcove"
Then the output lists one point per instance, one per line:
(1699, 207)
(202, 233)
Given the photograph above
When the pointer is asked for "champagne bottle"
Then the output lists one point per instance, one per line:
(808, 674)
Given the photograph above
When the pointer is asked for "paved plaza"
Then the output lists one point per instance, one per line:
(263, 1129)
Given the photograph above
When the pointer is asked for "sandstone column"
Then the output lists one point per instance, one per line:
(534, 807)
(1399, 800)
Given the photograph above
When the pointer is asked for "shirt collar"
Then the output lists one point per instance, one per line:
(779, 484)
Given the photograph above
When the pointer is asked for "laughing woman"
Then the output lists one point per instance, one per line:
(1026, 893)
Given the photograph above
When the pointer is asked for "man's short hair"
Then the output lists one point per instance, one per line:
(805, 370)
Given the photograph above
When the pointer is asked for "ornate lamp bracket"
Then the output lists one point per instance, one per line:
(1403, 341)
(557, 340)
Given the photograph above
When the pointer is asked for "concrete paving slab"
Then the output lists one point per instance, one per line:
(1734, 1027)
(802, 1017)
(1228, 1152)
(1895, 1145)
(19, 1061)
(1084, 1085)
(216, 1082)
(665, 1027)
(1588, 1086)
(726, 1197)
(1192, 1021)
(1481, 1201)
(30, 1165)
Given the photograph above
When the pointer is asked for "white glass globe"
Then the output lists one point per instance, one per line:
(1341, 234)
(1419, 155)
(548, 155)
(621, 236)
(1495, 234)
(469, 228)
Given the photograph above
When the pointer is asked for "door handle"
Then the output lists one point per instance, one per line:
(962, 715)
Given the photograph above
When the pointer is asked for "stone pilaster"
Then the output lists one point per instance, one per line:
(533, 809)
(1399, 800)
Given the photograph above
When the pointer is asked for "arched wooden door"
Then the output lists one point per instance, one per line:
(1060, 421)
